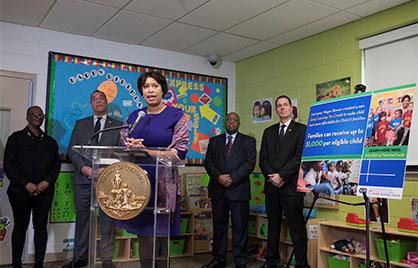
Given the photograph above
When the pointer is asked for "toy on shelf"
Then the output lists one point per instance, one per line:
(408, 225)
(353, 219)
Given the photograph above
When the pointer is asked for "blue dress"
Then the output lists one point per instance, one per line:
(157, 131)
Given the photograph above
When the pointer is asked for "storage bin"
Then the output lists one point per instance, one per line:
(116, 250)
(264, 229)
(177, 247)
(252, 227)
(135, 249)
(334, 262)
(397, 249)
(184, 225)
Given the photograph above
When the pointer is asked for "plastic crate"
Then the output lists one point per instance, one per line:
(334, 262)
(177, 247)
(397, 249)
(135, 249)
(252, 227)
(264, 229)
(116, 250)
(184, 225)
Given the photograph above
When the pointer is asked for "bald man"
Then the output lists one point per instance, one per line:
(229, 161)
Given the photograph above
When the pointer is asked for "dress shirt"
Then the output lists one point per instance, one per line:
(287, 123)
(233, 137)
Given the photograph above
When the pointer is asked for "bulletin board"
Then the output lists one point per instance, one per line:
(71, 80)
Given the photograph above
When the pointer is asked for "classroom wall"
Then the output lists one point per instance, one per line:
(25, 49)
(296, 68)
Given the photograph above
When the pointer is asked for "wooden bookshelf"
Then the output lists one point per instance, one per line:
(329, 231)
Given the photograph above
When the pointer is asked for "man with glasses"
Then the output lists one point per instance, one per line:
(31, 163)
(229, 161)
(82, 132)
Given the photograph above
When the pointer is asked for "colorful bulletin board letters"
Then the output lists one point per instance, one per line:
(71, 79)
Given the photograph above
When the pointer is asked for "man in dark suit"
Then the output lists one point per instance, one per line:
(82, 132)
(280, 156)
(229, 161)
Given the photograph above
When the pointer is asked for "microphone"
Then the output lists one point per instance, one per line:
(132, 127)
(107, 129)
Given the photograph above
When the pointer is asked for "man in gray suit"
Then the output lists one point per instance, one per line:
(82, 132)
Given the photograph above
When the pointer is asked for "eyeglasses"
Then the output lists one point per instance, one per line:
(231, 120)
(38, 115)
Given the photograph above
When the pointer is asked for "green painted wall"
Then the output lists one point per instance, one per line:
(296, 68)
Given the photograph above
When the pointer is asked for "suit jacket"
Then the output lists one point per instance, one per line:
(240, 165)
(283, 158)
(82, 132)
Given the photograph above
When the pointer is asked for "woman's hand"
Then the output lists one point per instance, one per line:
(134, 143)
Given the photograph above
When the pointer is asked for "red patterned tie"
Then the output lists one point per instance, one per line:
(229, 147)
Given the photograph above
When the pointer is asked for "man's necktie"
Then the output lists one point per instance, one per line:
(281, 133)
(97, 128)
(228, 148)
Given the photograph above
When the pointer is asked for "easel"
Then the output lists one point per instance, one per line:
(366, 203)
(359, 88)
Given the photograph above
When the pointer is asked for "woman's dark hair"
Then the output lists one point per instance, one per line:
(256, 104)
(267, 107)
(157, 76)
(382, 114)
(406, 97)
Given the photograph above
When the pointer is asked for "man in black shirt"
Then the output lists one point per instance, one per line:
(31, 163)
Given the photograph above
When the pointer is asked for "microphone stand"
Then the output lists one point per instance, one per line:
(106, 129)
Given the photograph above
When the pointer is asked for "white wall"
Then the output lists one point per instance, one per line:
(25, 49)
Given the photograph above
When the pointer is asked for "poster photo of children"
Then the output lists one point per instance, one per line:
(295, 110)
(262, 110)
(390, 118)
(329, 177)
(333, 89)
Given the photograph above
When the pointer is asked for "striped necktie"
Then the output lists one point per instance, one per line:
(229, 147)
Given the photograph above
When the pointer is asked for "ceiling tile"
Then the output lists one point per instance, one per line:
(222, 14)
(250, 51)
(78, 17)
(131, 27)
(313, 28)
(340, 4)
(374, 6)
(170, 9)
(111, 3)
(222, 44)
(23, 11)
(283, 18)
(178, 36)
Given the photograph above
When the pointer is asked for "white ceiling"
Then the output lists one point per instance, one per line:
(234, 29)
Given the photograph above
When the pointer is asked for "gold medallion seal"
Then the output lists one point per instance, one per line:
(123, 190)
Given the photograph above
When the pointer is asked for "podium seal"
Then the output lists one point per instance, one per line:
(123, 190)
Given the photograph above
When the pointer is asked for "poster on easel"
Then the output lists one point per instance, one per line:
(358, 143)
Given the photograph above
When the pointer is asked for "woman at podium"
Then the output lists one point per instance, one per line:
(157, 125)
